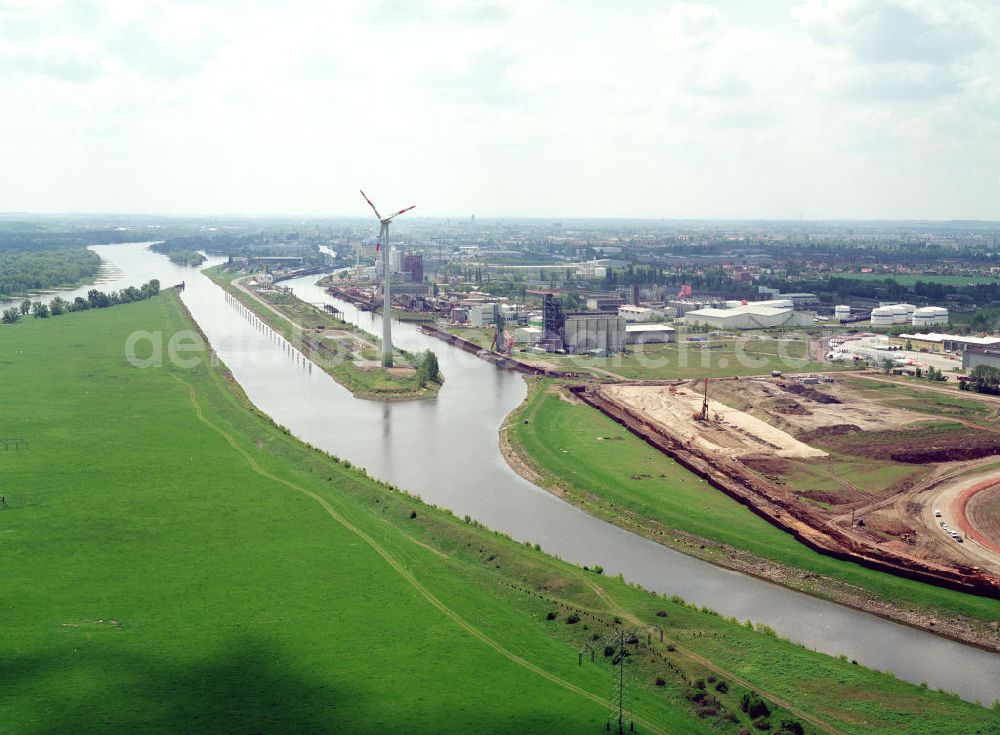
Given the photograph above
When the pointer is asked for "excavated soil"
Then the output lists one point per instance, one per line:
(798, 408)
(811, 393)
(827, 432)
(789, 407)
(914, 446)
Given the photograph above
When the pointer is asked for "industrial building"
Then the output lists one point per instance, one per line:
(799, 300)
(590, 271)
(593, 332)
(975, 356)
(485, 315)
(749, 316)
(934, 342)
(683, 306)
(528, 335)
(604, 302)
(647, 334)
(631, 313)
(413, 267)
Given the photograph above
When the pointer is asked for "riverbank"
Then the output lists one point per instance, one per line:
(210, 577)
(348, 354)
(551, 441)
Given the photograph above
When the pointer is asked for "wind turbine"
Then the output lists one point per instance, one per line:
(383, 243)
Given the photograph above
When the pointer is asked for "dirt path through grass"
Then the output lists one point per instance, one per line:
(403, 572)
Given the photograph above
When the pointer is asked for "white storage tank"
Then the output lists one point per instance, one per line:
(842, 312)
(929, 316)
(882, 316)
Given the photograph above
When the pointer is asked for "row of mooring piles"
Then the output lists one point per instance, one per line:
(286, 347)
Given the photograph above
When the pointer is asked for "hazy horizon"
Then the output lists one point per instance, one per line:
(789, 110)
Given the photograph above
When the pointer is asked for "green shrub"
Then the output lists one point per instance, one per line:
(754, 706)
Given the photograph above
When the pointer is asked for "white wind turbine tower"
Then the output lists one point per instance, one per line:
(383, 243)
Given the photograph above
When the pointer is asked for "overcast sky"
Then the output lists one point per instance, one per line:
(762, 109)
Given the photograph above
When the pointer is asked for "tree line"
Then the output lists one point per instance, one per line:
(38, 270)
(983, 379)
(95, 300)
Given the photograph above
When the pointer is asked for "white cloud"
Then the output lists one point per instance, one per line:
(892, 31)
(537, 107)
(684, 24)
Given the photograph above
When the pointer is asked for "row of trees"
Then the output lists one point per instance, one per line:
(95, 300)
(983, 379)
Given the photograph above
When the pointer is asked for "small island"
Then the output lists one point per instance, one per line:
(180, 256)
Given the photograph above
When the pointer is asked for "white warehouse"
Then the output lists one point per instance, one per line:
(647, 334)
(631, 313)
(750, 316)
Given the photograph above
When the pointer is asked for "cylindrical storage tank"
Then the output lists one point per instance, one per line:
(899, 314)
(882, 316)
(842, 312)
(929, 316)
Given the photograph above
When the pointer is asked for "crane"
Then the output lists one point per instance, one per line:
(501, 340)
(702, 415)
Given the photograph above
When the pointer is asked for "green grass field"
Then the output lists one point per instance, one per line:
(718, 358)
(839, 472)
(175, 562)
(615, 475)
(906, 393)
(910, 280)
(714, 359)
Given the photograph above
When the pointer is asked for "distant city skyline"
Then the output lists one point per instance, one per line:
(778, 110)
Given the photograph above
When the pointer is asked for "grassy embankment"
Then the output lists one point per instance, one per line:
(598, 465)
(175, 562)
(346, 343)
(717, 358)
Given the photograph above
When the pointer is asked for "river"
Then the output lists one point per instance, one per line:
(446, 451)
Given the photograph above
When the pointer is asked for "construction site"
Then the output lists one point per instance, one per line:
(900, 478)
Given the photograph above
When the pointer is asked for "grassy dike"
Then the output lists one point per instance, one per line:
(176, 562)
(597, 464)
(295, 317)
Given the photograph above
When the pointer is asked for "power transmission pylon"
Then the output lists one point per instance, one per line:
(614, 648)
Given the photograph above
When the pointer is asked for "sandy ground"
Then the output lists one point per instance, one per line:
(735, 433)
(800, 413)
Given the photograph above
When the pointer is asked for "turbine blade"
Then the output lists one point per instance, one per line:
(402, 211)
(370, 204)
